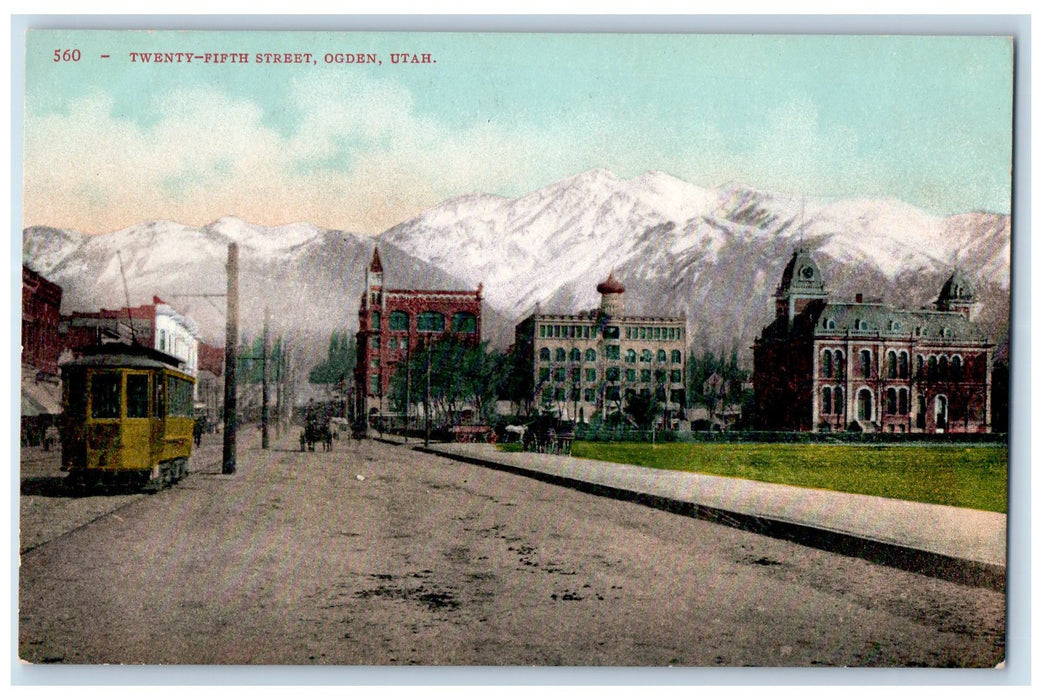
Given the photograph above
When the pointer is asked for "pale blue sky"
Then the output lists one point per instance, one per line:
(109, 143)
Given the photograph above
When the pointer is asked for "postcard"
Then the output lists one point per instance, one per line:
(502, 349)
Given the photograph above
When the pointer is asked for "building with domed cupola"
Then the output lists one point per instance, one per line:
(834, 365)
(586, 364)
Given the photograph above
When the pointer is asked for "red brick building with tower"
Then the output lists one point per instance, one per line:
(393, 323)
(833, 365)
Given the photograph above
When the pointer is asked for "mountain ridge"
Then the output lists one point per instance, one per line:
(714, 255)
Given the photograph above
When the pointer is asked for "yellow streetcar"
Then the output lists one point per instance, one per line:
(127, 417)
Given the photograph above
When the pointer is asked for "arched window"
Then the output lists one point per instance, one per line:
(902, 401)
(464, 322)
(645, 355)
(576, 355)
(837, 400)
(374, 321)
(677, 357)
(430, 322)
(560, 355)
(864, 404)
(891, 401)
(544, 354)
(631, 356)
(660, 356)
(902, 365)
(942, 367)
(841, 365)
(826, 363)
(891, 365)
(591, 355)
(940, 413)
(826, 400)
(866, 363)
(931, 367)
(399, 321)
(920, 366)
(957, 368)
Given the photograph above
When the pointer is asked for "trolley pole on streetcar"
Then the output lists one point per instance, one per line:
(264, 382)
(230, 340)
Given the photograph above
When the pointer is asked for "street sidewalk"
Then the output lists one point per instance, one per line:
(959, 544)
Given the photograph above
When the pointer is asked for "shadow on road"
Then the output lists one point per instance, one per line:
(59, 487)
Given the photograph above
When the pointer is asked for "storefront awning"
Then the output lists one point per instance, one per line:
(40, 398)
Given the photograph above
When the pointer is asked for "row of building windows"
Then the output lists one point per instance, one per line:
(861, 326)
(611, 374)
(428, 322)
(896, 402)
(586, 331)
(564, 331)
(612, 352)
(832, 402)
(611, 393)
(895, 366)
(652, 333)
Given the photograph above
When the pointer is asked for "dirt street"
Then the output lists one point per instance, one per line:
(373, 554)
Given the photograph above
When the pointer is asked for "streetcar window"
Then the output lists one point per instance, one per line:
(137, 396)
(104, 395)
(160, 398)
(76, 394)
(179, 396)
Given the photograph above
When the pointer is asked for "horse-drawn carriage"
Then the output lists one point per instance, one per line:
(317, 428)
(548, 434)
(473, 433)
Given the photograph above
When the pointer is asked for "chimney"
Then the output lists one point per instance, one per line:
(859, 298)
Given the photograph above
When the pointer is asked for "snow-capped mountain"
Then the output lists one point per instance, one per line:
(714, 255)
(309, 278)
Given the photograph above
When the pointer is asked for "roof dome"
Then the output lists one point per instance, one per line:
(611, 285)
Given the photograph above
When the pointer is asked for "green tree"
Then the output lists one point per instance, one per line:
(461, 375)
(340, 360)
(644, 407)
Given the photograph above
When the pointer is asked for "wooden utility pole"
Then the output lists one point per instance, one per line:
(427, 403)
(278, 386)
(408, 378)
(230, 351)
(264, 382)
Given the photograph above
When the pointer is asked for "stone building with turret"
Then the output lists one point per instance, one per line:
(863, 364)
(586, 364)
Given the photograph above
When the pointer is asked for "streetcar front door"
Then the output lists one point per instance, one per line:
(137, 423)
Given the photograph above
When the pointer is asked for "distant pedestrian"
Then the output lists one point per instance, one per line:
(50, 437)
(197, 431)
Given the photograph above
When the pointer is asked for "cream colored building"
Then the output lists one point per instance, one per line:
(587, 364)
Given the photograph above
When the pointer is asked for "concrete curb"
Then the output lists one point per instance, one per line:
(955, 569)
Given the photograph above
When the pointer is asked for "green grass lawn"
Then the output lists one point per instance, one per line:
(967, 477)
